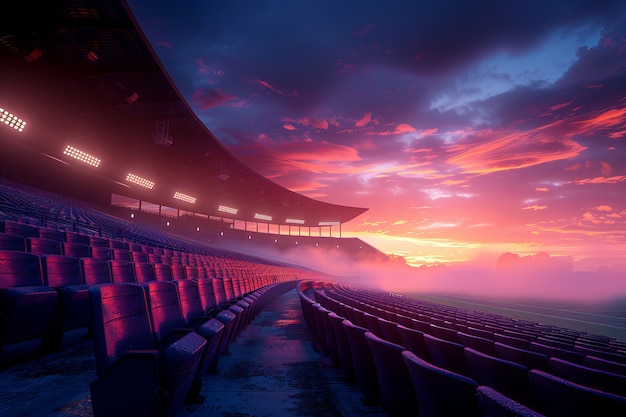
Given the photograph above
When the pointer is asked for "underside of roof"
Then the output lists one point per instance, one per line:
(82, 73)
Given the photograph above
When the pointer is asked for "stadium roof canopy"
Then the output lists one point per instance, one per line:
(82, 73)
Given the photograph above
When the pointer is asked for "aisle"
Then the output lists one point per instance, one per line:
(273, 369)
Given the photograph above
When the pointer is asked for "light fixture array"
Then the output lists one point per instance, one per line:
(140, 181)
(226, 209)
(294, 221)
(12, 120)
(185, 197)
(81, 156)
(260, 216)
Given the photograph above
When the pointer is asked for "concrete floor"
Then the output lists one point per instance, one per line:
(273, 369)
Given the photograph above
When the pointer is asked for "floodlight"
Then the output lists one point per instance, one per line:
(11, 120)
(294, 221)
(260, 216)
(139, 181)
(226, 209)
(81, 156)
(328, 224)
(185, 197)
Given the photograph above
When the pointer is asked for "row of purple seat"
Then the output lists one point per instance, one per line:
(383, 369)
(154, 342)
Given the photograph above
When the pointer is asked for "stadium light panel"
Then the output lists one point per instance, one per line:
(260, 216)
(139, 181)
(185, 197)
(328, 224)
(11, 120)
(226, 209)
(294, 221)
(81, 156)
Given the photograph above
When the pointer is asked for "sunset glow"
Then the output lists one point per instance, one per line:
(465, 130)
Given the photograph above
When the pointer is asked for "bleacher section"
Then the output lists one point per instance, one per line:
(462, 362)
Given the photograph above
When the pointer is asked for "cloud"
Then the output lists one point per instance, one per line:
(272, 88)
(366, 119)
(208, 98)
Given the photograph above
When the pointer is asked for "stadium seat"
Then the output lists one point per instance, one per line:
(95, 271)
(163, 272)
(495, 404)
(605, 365)
(20, 229)
(79, 238)
(589, 377)
(413, 340)
(363, 362)
(122, 271)
(528, 358)
(12, 242)
(516, 342)
(144, 272)
(397, 395)
(444, 333)
(143, 379)
(439, 392)
(561, 398)
(40, 246)
(481, 344)
(52, 234)
(138, 257)
(207, 294)
(447, 355)
(167, 319)
(568, 355)
(509, 378)
(119, 254)
(343, 346)
(76, 250)
(389, 330)
(73, 310)
(26, 305)
(101, 252)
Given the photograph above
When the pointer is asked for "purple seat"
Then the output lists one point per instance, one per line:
(561, 398)
(138, 256)
(52, 234)
(389, 331)
(605, 365)
(12, 242)
(363, 362)
(167, 319)
(568, 355)
(63, 274)
(493, 403)
(20, 229)
(95, 271)
(218, 290)
(26, 305)
(118, 254)
(98, 241)
(101, 252)
(144, 272)
(516, 342)
(397, 395)
(528, 358)
(207, 294)
(589, 377)
(447, 355)
(344, 353)
(122, 271)
(40, 246)
(440, 392)
(481, 344)
(77, 238)
(142, 377)
(444, 333)
(509, 378)
(178, 272)
(163, 272)
(76, 250)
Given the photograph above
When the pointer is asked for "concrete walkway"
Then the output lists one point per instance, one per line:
(274, 370)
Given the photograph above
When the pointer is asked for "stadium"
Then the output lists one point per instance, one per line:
(145, 270)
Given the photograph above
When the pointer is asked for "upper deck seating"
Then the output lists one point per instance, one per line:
(26, 305)
(143, 378)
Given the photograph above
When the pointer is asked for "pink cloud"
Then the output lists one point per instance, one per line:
(363, 121)
(604, 208)
(208, 98)
(605, 168)
(205, 69)
(289, 127)
(542, 189)
(534, 207)
(273, 88)
(602, 180)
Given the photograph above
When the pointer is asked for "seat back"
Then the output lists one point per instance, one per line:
(397, 395)
(413, 340)
(561, 398)
(163, 272)
(120, 322)
(343, 346)
(12, 242)
(61, 271)
(190, 303)
(481, 344)
(40, 246)
(528, 358)
(164, 306)
(122, 271)
(363, 362)
(447, 355)
(440, 392)
(52, 234)
(552, 351)
(589, 377)
(95, 271)
(144, 272)
(77, 250)
(605, 365)
(509, 378)
(20, 229)
(207, 294)
(218, 290)
(101, 252)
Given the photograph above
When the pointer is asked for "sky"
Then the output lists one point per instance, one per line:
(469, 129)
